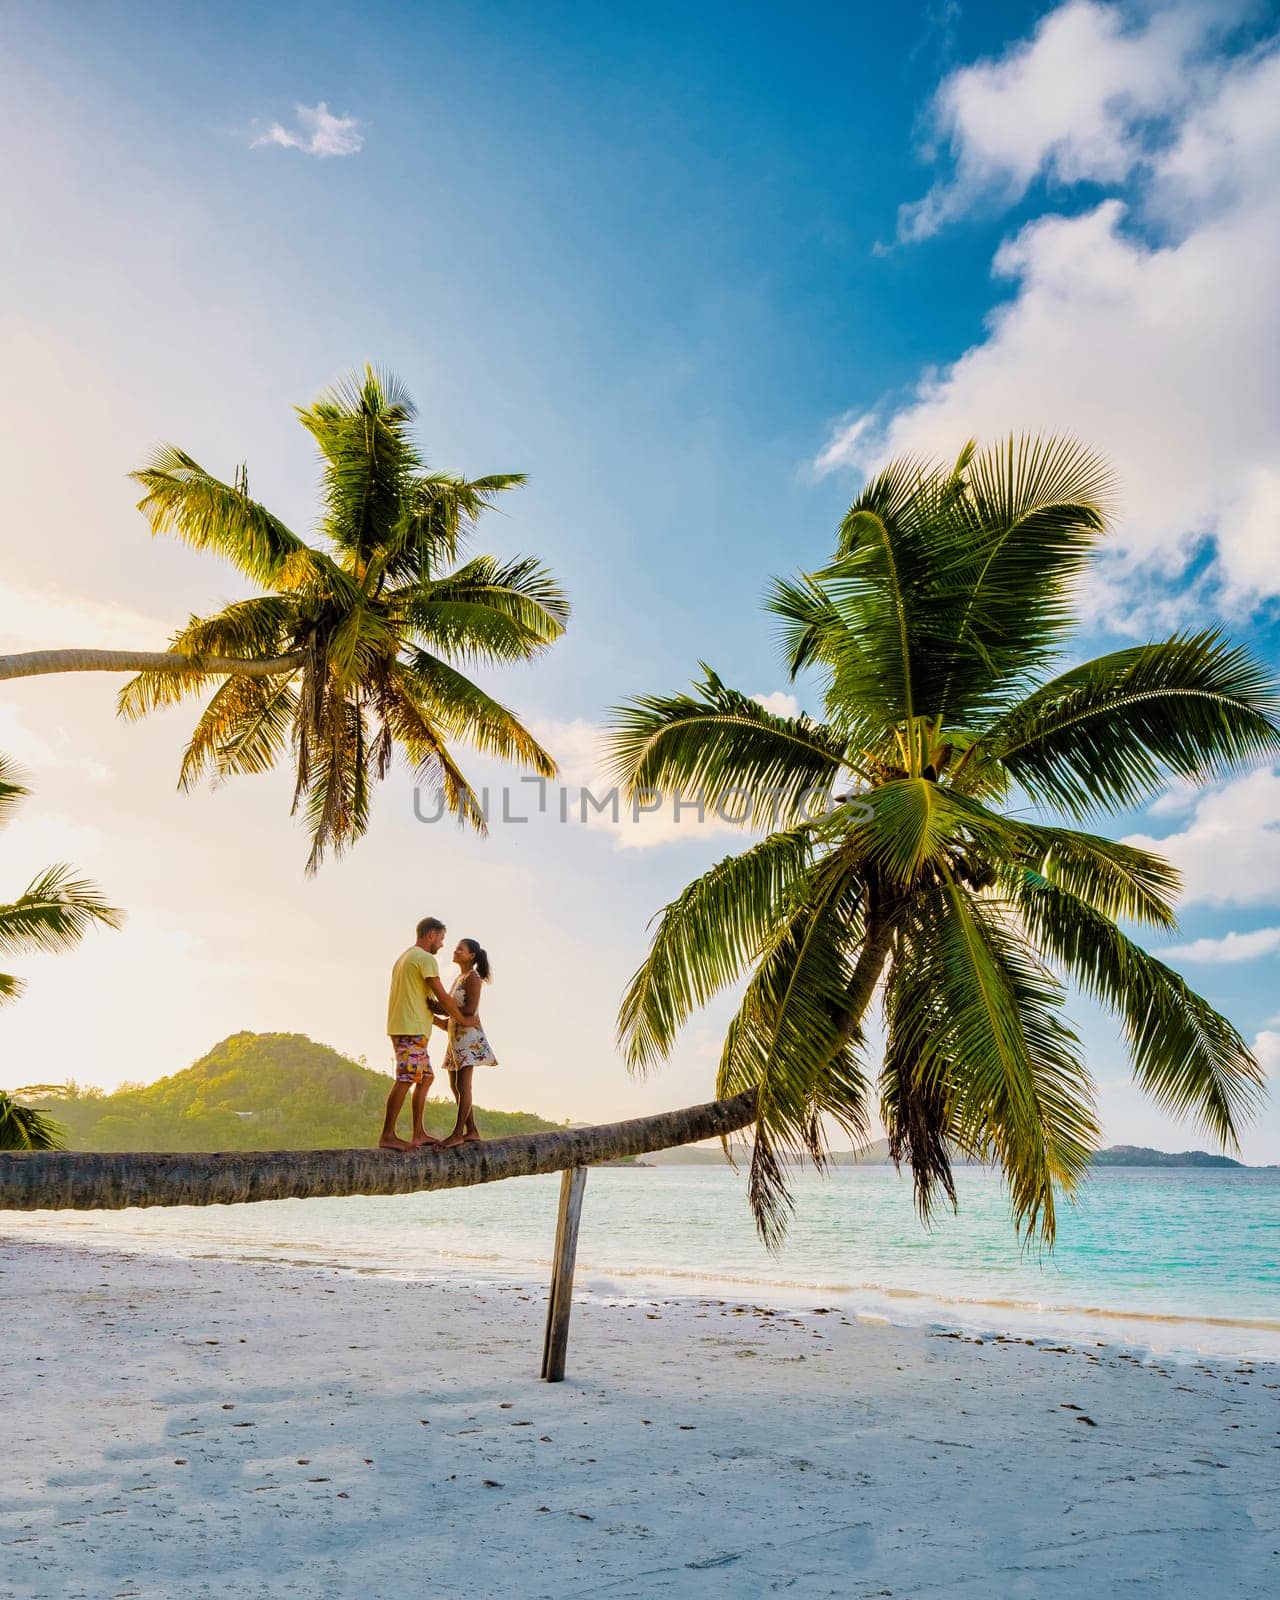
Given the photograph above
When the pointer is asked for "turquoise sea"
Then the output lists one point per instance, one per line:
(1172, 1261)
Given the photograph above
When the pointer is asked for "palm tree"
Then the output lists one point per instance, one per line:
(53, 912)
(356, 645)
(912, 851)
(25, 1128)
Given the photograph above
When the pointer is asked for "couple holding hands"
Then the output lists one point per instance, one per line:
(419, 1002)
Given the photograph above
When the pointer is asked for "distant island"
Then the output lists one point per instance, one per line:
(877, 1154)
(253, 1091)
(1141, 1155)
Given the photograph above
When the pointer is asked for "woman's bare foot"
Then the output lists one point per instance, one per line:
(390, 1142)
(453, 1141)
(421, 1141)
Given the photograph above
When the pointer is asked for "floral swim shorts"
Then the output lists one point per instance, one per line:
(413, 1065)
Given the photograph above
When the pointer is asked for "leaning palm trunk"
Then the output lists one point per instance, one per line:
(62, 1181)
(39, 663)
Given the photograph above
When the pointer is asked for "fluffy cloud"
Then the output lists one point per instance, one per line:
(1267, 1049)
(1229, 852)
(318, 133)
(1074, 103)
(1070, 103)
(1148, 324)
(33, 618)
(779, 702)
(1231, 947)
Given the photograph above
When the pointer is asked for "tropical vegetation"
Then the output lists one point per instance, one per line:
(924, 843)
(53, 912)
(252, 1091)
(358, 644)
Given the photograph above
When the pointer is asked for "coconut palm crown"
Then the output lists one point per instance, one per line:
(917, 850)
(362, 637)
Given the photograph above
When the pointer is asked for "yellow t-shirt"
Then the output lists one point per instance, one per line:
(407, 1009)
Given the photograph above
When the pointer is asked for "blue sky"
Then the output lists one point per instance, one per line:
(672, 262)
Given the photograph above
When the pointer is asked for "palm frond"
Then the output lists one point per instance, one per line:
(244, 728)
(1109, 734)
(183, 499)
(791, 1024)
(1029, 515)
(1185, 1055)
(438, 517)
(914, 825)
(54, 912)
(337, 788)
(1117, 880)
(368, 462)
(704, 939)
(12, 789)
(426, 746)
(890, 654)
(461, 709)
(487, 609)
(1017, 1089)
(724, 747)
(916, 1102)
(812, 631)
(25, 1128)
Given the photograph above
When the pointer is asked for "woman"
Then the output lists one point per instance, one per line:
(468, 1047)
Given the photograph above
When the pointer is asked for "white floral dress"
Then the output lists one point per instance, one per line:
(468, 1047)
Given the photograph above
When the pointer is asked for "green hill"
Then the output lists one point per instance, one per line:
(254, 1091)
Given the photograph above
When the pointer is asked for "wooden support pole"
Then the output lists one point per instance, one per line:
(555, 1346)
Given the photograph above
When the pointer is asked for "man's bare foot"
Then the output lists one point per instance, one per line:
(423, 1141)
(453, 1141)
(390, 1142)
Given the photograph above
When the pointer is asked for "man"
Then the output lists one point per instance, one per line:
(416, 993)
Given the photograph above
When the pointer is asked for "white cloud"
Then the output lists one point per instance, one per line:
(34, 618)
(779, 702)
(1179, 798)
(1231, 947)
(318, 133)
(1071, 103)
(1158, 347)
(1229, 852)
(847, 444)
(1266, 1046)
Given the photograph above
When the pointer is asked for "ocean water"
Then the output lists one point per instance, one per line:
(1178, 1262)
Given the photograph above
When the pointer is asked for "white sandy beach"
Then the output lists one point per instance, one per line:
(214, 1428)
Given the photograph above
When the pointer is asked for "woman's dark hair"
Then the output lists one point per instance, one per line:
(480, 956)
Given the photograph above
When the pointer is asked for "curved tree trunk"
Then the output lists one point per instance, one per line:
(61, 1180)
(36, 663)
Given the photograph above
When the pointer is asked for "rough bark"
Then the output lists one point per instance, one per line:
(36, 663)
(64, 1180)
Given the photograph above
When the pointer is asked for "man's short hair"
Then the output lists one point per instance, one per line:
(430, 925)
